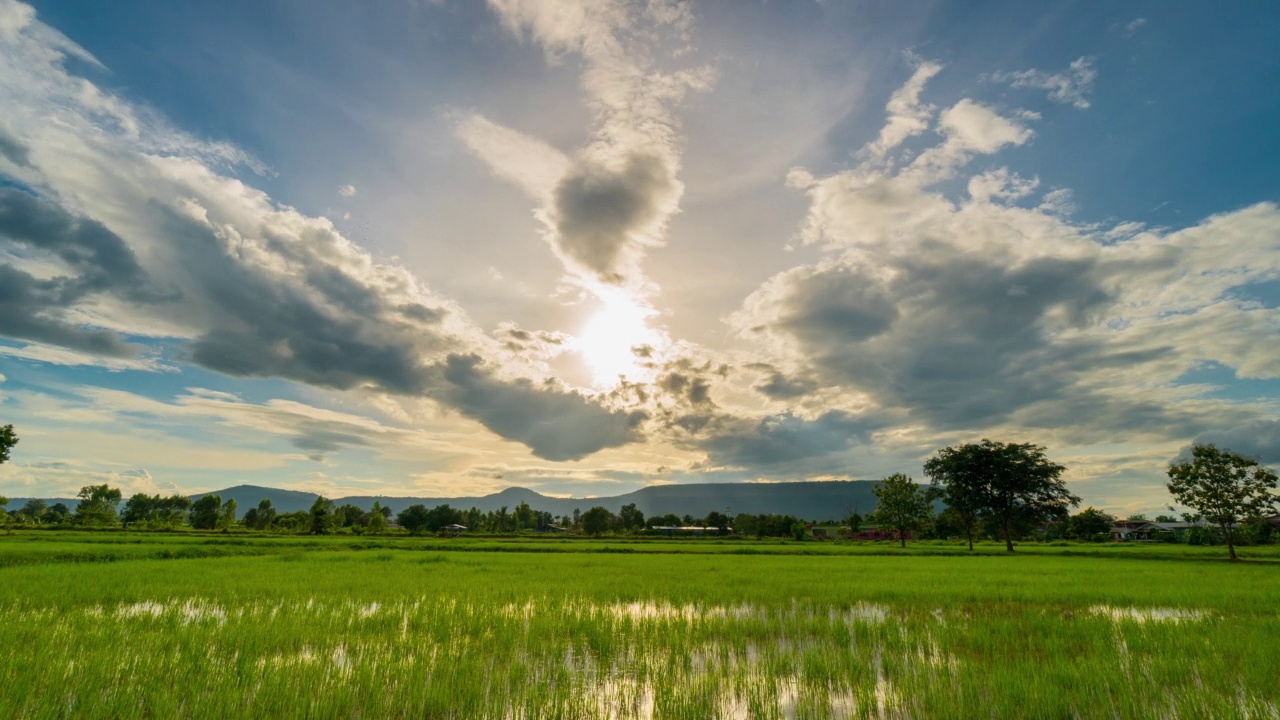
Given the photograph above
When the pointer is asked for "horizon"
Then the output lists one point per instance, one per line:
(445, 249)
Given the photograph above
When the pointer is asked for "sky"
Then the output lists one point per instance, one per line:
(445, 247)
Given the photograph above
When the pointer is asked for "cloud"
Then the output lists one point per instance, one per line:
(554, 424)
(1258, 439)
(347, 191)
(266, 291)
(1070, 87)
(528, 162)
(81, 260)
(954, 314)
(906, 115)
(612, 200)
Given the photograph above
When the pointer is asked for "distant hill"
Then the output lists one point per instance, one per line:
(808, 500)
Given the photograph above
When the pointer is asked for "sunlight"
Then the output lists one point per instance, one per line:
(607, 339)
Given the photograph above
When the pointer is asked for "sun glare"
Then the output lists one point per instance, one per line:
(607, 340)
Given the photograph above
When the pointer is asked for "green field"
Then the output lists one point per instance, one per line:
(184, 625)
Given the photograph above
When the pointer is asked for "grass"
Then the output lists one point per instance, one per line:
(186, 625)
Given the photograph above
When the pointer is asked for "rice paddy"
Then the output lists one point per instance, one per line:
(212, 626)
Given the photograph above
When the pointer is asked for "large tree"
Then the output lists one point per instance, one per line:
(97, 505)
(7, 440)
(1013, 486)
(902, 504)
(1225, 487)
(205, 511)
(596, 520)
(322, 516)
(414, 518)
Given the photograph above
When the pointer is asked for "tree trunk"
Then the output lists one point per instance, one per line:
(902, 535)
(1231, 545)
(1008, 539)
(968, 531)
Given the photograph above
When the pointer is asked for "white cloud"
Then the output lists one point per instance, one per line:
(906, 115)
(347, 191)
(1070, 87)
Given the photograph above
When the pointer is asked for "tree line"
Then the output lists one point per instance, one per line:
(988, 489)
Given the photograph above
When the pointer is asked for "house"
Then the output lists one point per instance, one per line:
(1134, 530)
(453, 530)
(874, 532)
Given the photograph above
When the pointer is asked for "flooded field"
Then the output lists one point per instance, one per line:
(404, 633)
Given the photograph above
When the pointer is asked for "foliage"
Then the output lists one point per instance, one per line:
(7, 440)
(321, 518)
(414, 518)
(377, 520)
(97, 505)
(227, 515)
(902, 504)
(205, 512)
(1225, 487)
(596, 520)
(1012, 486)
(155, 510)
(1090, 522)
(261, 517)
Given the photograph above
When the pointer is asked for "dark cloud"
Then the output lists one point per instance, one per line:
(957, 338)
(599, 213)
(554, 424)
(99, 263)
(319, 442)
(780, 439)
(778, 386)
(1258, 439)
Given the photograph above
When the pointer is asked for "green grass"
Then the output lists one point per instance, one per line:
(188, 625)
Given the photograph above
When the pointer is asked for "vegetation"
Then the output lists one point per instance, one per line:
(902, 505)
(1012, 486)
(256, 625)
(1226, 488)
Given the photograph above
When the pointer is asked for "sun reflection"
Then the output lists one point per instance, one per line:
(608, 340)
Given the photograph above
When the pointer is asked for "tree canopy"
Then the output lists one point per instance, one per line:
(902, 504)
(1012, 486)
(7, 440)
(1223, 486)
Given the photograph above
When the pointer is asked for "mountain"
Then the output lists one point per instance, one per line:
(809, 500)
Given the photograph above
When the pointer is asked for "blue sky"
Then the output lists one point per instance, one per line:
(410, 248)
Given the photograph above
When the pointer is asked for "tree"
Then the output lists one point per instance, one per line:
(7, 440)
(1090, 522)
(261, 517)
(205, 511)
(377, 521)
(33, 511)
(596, 520)
(1012, 486)
(630, 517)
(958, 474)
(321, 516)
(57, 514)
(523, 516)
(97, 505)
(902, 504)
(717, 520)
(227, 515)
(414, 518)
(1226, 488)
(140, 508)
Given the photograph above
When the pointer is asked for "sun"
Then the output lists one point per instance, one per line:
(608, 338)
